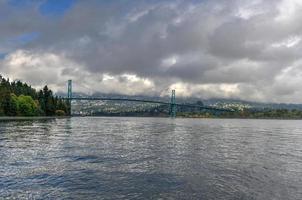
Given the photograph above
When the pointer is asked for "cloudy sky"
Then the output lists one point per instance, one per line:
(245, 49)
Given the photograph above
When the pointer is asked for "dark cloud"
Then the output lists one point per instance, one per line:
(241, 49)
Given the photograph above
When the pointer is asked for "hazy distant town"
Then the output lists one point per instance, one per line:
(243, 109)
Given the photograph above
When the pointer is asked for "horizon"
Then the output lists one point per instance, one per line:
(245, 50)
(58, 93)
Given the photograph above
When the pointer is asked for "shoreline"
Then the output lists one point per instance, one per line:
(180, 117)
(31, 118)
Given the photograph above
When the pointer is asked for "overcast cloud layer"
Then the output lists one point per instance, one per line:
(246, 49)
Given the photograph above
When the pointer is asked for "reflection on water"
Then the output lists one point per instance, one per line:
(150, 158)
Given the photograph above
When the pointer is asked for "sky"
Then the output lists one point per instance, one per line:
(238, 49)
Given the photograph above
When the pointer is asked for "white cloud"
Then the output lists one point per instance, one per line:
(289, 42)
(169, 62)
(233, 49)
(206, 90)
(288, 9)
(39, 69)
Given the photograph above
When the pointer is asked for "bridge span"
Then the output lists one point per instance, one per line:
(173, 105)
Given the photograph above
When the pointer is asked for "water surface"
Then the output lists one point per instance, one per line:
(150, 158)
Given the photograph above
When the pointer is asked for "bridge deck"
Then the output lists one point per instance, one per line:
(148, 101)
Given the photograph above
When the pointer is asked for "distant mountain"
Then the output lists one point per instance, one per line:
(251, 104)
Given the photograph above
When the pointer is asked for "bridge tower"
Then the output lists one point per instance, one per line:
(69, 94)
(173, 107)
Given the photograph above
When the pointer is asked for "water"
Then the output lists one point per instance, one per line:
(150, 158)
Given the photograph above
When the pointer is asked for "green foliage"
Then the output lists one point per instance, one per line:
(13, 105)
(60, 113)
(27, 106)
(17, 98)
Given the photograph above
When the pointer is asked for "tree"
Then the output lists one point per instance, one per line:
(27, 106)
(48, 102)
(10, 105)
(60, 113)
(40, 103)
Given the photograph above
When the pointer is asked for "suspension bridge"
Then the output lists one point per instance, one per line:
(172, 104)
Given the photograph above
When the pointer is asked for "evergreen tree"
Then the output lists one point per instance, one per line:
(32, 102)
(10, 105)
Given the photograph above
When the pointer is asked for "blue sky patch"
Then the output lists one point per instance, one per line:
(2, 55)
(55, 7)
(25, 38)
(22, 3)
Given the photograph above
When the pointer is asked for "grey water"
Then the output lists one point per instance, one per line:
(150, 158)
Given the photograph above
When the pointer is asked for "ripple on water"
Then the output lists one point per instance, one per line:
(150, 158)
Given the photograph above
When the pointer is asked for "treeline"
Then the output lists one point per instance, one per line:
(266, 114)
(20, 99)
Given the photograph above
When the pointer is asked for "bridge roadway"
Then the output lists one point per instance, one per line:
(149, 101)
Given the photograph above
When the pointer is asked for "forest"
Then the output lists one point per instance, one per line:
(20, 99)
